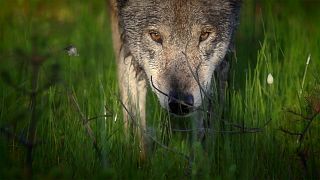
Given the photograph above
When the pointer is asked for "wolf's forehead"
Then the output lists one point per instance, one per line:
(175, 13)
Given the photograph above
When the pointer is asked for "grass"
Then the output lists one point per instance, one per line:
(273, 37)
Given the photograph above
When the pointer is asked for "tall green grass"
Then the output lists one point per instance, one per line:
(251, 139)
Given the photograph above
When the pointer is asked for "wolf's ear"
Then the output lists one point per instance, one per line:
(236, 3)
(235, 6)
(121, 3)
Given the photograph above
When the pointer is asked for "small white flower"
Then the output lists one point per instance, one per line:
(270, 79)
(308, 60)
(115, 118)
(72, 51)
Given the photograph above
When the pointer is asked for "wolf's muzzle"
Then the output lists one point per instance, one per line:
(180, 104)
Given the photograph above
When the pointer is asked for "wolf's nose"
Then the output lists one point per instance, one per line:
(180, 104)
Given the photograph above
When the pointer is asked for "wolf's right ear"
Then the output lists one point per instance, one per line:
(236, 3)
(121, 3)
(118, 4)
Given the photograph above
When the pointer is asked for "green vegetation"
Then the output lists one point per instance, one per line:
(268, 131)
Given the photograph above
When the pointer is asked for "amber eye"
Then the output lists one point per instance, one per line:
(204, 35)
(156, 36)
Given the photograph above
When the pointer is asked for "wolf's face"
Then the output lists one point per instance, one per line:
(178, 44)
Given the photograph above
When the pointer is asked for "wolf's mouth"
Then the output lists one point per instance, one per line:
(183, 115)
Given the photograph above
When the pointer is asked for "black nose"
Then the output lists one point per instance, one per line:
(180, 104)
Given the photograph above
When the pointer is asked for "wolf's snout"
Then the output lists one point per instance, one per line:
(180, 104)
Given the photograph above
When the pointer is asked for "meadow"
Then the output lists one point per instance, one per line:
(61, 117)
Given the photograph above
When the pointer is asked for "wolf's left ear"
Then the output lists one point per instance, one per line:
(121, 3)
(117, 4)
(236, 3)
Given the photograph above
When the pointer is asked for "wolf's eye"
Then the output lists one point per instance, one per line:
(155, 36)
(204, 35)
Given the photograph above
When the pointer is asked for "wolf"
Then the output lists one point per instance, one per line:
(174, 47)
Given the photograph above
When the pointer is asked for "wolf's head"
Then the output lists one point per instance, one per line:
(178, 44)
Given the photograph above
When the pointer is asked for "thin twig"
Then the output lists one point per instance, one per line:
(167, 148)
(86, 125)
(147, 134)
(196, 77)
(97, 117)
(303, 133)
(300, 152)
(170, 97)
(298, 114)
(163, 93)
(301, 136)
(243, 129)
(219, 132)
(306, 129)
(247, 128)
(177, 100)
(290, 133)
